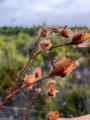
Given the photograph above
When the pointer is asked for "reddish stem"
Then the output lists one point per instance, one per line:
(30, 107)
(18, 90)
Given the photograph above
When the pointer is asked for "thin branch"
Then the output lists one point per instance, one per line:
(29, 110)
(30, 106)
(18, 90)
(21, 73)
(13, 91)
(52, 48)
(25, 67)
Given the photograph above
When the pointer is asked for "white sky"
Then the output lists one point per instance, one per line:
(51, 12)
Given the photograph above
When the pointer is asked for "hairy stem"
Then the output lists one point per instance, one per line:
(18, 90)
(29, 110)
(12, 92)
(26, 117)
(25, 67)
(21, 73)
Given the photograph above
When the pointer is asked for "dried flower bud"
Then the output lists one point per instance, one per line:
(56, 30)
(66, 32)
(80, 38)
(30, 79)
(52, 90)
(45, 32)
(62, 68)
(51, 82)
(45, 45)
(38, 73)
(53, 116)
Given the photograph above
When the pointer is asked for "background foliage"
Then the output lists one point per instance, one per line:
(74, 96)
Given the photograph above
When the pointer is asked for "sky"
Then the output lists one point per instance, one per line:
(50, 12)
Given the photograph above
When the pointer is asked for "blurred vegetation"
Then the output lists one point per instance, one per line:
(15, 44)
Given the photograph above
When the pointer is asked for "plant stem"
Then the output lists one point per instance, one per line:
(18, 90)
(13, 91)
(26, 66)
(28, 110)
(30, 106)
(20, 74)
